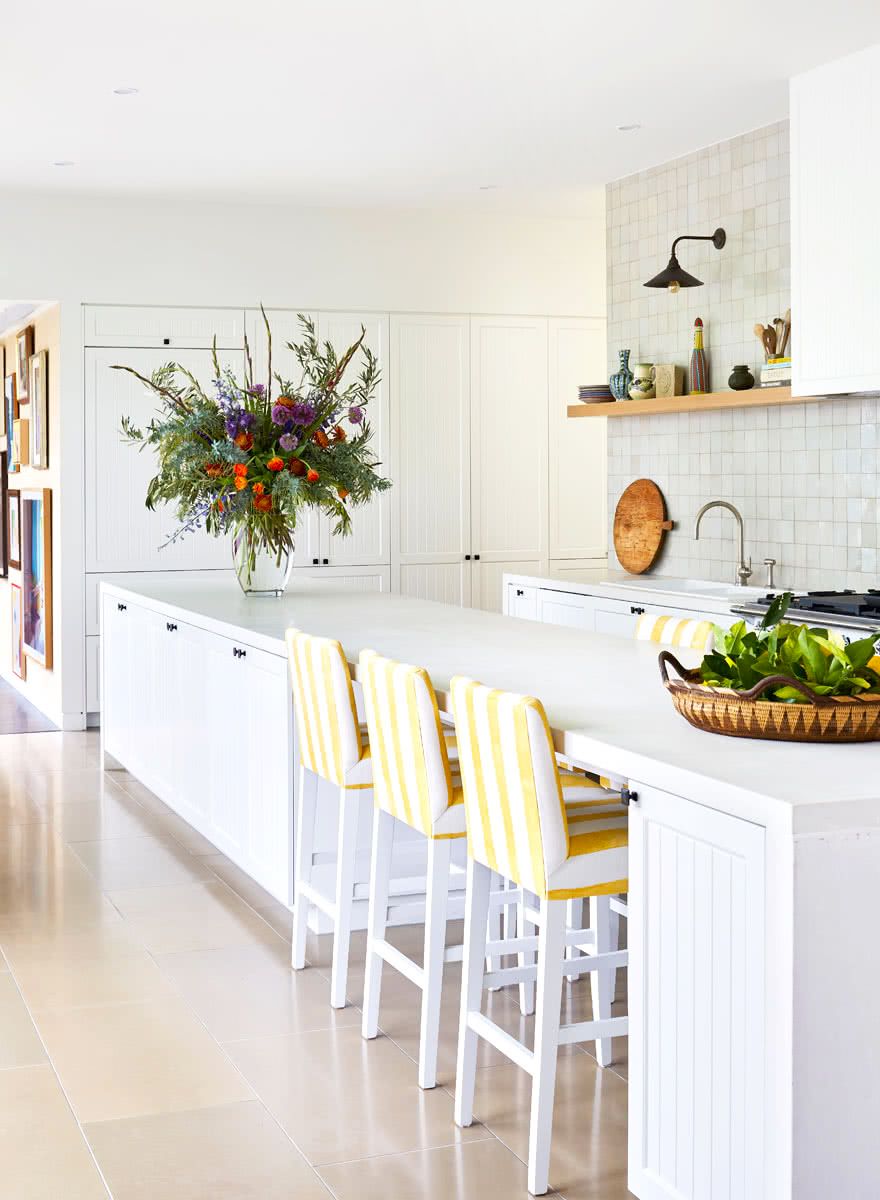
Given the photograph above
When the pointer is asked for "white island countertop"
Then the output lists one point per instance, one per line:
(603, 695)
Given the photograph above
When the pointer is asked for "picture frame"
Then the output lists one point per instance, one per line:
(36, 575)
(24, 348)
(38, 427)
(13, 528)
(20, 441)
(4, 425)
(10, 409)
(4, 516)
(19, 662)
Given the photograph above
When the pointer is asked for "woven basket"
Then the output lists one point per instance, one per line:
(744, 714)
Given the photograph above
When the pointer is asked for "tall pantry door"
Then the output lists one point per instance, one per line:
(509, 451)
(431, 439)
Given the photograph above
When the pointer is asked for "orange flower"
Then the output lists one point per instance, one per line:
(240, 469)
(244, 441)
(240, 483)
(313, 476)
(212, 470)
(220, 506)
(321, 439)
(339, 434)
(342, 493)
(275, 464)
(263, 503)
(296, 466)
(258, 489)
(285, 400)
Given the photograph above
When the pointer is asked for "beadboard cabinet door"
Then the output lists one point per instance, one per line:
(577, 508)
(835, 115)
(509, 438)
(121, 533)
(696, 1001)
(171, 328)
(431, 441)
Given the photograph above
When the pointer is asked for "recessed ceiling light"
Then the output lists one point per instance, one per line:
(631, 128)
(125, 91)
(64, 162)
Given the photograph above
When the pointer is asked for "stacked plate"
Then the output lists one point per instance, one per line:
(594, 393)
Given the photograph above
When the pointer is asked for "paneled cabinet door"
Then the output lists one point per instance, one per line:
(696, 1001)
(577, 483)
(121, 533)
(565, 608)
(116, 627)
(158, 325)
(509, 447)
(431, 443)
(227, 773)
(835, 114)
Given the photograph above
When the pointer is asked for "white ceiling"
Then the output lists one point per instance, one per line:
(395, 102)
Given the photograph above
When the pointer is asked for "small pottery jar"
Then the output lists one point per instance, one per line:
(741, 379)
(642, 386)
(621, 379)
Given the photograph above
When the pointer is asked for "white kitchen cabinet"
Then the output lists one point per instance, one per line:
(118, 617)
(696, 1001)
(564, 608)
(431, 441)
(835, 114)
(163, 326)
(521, 601)
(509, 436)
(577, 508)
(121, 533)
(579, 570)
(356, 579)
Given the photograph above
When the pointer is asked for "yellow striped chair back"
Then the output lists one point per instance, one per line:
(330, 742)
(666, 630)
(512, 795)
(412, 778)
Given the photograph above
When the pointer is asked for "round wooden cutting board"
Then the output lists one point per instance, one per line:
(640, 524)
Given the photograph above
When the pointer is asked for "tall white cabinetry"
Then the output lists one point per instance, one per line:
(835, 115)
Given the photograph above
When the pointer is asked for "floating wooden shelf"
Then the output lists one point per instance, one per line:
(753, 398)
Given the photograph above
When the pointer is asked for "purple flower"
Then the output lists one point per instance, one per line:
(303, 412)
(258, 389)
(247, 420)
(356, 415)
(281, 415)
(288, 442)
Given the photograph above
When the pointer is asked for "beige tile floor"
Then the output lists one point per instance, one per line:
(155, 1045)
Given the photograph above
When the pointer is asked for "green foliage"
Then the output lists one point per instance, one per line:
(814, 656)
(214, 445)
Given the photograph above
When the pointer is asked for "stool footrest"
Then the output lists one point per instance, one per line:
(502, 1040)
(593, 1031)
(324, 903)
(397, 959)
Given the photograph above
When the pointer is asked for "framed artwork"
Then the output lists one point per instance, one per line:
(4, 424)
(24, 348)
(38, 391)
(36, 575)
(19, 662)
(10, 410)
(13, 528)
(20, 442)
(4, 522)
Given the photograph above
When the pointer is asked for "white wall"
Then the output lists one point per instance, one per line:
(185, 252)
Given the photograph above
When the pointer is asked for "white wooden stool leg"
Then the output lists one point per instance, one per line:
(575, 920)
(551, 952)
(498, 883)
(345, 873)
(613, 944)
(602, 982)
(377, 916)
(476, 911)
(525, 958)
(302, 863)
(437, 892)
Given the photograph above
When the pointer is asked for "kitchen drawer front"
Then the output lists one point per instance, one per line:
(565, 608)
(521, 600)
(146, 325)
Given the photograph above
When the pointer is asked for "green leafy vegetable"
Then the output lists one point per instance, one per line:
(816, 657)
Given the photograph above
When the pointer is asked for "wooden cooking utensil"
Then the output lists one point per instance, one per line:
(779, 326)
(769, 342)
(786, 331)
(640, 525)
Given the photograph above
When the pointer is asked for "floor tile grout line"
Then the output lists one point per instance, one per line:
(364, 1158)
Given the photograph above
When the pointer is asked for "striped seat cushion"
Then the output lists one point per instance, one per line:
(666, 630)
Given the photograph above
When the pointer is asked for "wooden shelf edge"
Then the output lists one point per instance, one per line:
(753, 398)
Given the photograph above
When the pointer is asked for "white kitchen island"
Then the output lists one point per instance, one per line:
(754, 867)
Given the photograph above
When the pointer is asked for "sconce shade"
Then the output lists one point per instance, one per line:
(674, 273)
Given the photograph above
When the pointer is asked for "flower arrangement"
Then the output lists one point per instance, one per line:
(237, 459)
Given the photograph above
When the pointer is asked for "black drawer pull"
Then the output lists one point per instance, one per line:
(315, 562)
(467, 558)
(170, 626)
(237, 653)
(476, 558)
(520, 592)
(627, 797)
(326, 562)
(635, 610)
(122, 607)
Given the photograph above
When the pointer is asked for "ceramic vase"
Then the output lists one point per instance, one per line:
(741, 379)
(622, 378)
(642, 386)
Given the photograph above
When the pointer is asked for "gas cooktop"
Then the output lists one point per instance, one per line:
(856, 610)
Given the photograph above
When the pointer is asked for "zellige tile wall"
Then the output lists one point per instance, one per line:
(805, 477)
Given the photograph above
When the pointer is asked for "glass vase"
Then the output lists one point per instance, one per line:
(259, 570)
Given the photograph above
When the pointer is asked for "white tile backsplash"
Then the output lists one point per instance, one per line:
(805, 477)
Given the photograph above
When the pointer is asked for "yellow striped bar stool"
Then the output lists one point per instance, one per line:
(332, 747)
(666, 630)
(415, 782)
(518, 826)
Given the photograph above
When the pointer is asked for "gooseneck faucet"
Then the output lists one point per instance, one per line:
(744, 570)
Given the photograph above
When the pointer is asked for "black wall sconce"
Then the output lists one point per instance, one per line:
(674, 276)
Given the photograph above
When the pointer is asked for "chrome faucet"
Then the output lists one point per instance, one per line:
(744, 570)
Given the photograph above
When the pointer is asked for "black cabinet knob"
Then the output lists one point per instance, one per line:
(122, 607)
(326, 562)
(166, 341)
(170, 626)
(467, 558)
(476, 558)
(315, 562)
(635, 610)
(237, 653)
(520, 592)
